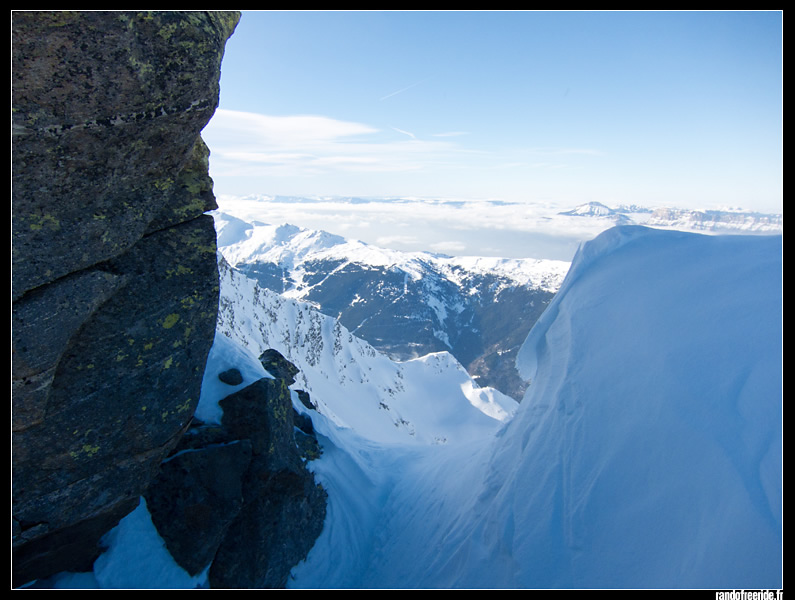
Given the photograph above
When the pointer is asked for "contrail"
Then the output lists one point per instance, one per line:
(408, 133)
(404, 89)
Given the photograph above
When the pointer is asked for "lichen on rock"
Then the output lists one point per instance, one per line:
(109, 243)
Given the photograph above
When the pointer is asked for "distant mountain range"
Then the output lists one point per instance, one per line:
(716, 221)
(410, 304)
(405, 304)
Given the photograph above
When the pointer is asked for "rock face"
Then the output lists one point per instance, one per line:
(238, 497)
(197, 495)
(114, 281)
(284, 508)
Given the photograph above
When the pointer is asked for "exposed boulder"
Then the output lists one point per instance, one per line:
(196, 496)
(305, 399)
(274, 531)
(231, 377)
(284, 508)
(238, 496)
(278, 366)
(114, 279)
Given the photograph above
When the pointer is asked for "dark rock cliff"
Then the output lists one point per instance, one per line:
(114, 275)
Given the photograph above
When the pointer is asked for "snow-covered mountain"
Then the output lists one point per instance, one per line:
(719, 221)
(597, 209)
(647, 453)
(705, 221)
(404, 304)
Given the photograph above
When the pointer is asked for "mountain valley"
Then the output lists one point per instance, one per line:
(404, 304)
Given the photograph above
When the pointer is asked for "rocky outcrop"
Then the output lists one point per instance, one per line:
(114, 280)
(278, 366)
(197, 495)
(284, 508)
(238, 497)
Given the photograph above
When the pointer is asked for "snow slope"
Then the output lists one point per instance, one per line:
(646, 453)
(388, 408)
(656, 410)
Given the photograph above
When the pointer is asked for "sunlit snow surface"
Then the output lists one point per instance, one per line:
(647, 452)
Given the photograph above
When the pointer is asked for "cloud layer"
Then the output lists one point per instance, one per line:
(447, 226)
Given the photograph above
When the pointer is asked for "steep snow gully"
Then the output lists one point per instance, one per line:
(647, 452)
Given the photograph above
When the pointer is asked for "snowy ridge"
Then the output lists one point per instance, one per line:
(288, 245)
(719, 221)
(595, 209)
(591, 208)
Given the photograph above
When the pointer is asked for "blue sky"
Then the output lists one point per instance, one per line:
(655, 108)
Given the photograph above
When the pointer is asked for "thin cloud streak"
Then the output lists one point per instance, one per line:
(400, 91)
(283, 130)
(408, 133)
